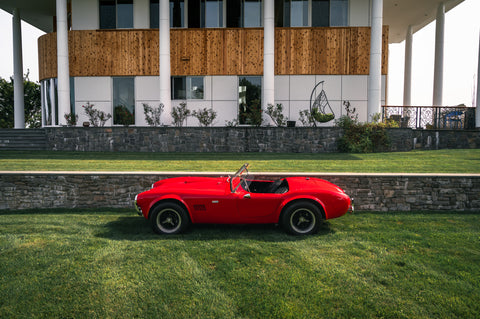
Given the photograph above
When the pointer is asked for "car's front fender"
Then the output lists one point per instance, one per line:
(167, 197)
(290, 200)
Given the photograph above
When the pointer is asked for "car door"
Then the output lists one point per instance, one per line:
(213, 207)
(257, 207)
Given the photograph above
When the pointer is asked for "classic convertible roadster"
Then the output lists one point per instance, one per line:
(298, 204)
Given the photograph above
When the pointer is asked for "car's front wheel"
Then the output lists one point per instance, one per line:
(301, 218)
(169, 218)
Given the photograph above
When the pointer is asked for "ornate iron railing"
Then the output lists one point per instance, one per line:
(431, 117)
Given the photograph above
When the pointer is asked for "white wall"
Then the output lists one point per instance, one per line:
(221, 94)
(294, 93)
(359, 13)
(85, 15)
(141, 14)
(97, 91)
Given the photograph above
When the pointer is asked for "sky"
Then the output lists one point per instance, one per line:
(462, 26)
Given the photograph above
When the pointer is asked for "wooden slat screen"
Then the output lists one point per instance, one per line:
(329, 51)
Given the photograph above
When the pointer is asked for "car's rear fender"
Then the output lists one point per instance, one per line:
(169, 198)
(312, 199)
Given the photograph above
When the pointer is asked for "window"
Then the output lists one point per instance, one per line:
(211, 13)
(338, 13)
(107, 14)
(320, 13)
(187, 87)
(116, 14)
(123, 101)
(205, 13)
(154, 14)
(177, 13)
(50, 105)
(244, 13)
(249, 100)
(72, 95)
(315, 13)
(298, 13)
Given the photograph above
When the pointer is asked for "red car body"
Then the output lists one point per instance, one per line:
(239, 200)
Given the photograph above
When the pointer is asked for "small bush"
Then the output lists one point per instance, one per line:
(180, 114)
(275, 113)
(205, 116)
(71, 119)
(362, 137)
(152, 115)
(96, 117)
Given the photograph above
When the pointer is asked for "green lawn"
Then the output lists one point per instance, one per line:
(442, 161)
(109, 264)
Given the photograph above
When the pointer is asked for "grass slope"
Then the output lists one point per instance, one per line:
(100, 264)
(442, 161)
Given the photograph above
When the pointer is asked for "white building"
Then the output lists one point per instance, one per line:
(227, 55)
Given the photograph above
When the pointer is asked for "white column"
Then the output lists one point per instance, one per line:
(63, 71)
(18, 91)
(407, 80)
(268, 56)
(164, 47)
(439, 44)
(375, 76)
(477, 104)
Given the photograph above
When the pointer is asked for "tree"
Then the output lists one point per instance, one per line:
(33, 112)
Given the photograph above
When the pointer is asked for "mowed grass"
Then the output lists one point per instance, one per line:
(441, 161)
(109, 264)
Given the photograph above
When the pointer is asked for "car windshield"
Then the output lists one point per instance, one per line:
(237, 178)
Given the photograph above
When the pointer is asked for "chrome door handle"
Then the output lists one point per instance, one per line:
(246, 196)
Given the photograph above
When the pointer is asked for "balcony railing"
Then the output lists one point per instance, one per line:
(431, 117)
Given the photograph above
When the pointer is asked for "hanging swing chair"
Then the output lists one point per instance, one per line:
(320, 109)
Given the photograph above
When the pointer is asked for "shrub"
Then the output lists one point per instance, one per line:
(205, 116)
(362, 137)
(275, 113)
(96, 117)
(71, 119)
(232, 123)
(152, 115)
(306, 118)
(180, 114)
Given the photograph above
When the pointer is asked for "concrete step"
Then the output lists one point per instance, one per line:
(23, 140)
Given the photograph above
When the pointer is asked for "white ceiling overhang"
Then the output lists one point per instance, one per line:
(397, 14)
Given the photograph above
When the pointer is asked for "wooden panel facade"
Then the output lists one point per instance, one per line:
(329, 51)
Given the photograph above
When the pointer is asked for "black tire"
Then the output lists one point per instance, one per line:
(301, 218)
(169, 218)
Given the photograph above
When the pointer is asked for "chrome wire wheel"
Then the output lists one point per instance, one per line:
(302, 220)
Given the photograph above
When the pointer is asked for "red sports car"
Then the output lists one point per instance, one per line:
(299, 204)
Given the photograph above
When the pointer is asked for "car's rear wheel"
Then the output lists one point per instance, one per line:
(169, 218)
(301, 218)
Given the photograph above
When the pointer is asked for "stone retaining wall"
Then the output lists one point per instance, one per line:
(371, 192)
(194, 139)
(240, 139)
